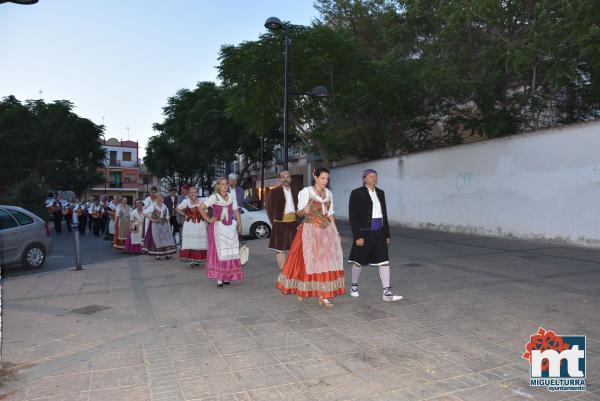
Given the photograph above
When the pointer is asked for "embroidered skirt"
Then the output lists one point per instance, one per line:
(321, 272)
(194, 242)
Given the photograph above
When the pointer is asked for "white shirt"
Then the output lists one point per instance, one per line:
(148, 201)
(289, 201)
(377, 213)
(308, 194)
(233, 195)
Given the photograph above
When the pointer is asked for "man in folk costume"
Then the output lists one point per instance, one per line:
(95, 213)
(236, 192)
(171, 201)
(79, 211)
(370, 233)
(281, 209)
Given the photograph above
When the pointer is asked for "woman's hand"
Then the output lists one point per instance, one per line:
(306, 210)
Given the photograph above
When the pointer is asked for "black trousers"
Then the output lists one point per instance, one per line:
(174, 224)
(57, 223)
(96, 226)
(81, 224)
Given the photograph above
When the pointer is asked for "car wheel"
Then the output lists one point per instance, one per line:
(34, 256)
(261, 230)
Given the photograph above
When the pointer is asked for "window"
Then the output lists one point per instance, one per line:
(115, 179)
(126, 156)
(113, 157)
(145, 180)
(6, 220)
(21, 217)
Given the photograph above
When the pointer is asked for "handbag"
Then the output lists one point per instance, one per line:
(244, 254)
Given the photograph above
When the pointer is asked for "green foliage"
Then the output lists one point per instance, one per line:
(193, 136)
(47, 144)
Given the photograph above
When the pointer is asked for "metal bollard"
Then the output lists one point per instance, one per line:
(75, 227)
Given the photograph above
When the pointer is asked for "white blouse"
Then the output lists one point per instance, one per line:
(218, 199)
(308, 194)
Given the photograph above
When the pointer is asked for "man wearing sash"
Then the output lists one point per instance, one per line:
(281, 209)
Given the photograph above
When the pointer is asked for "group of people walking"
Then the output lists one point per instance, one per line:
(309, 252)
(207, 229)
(304, 232)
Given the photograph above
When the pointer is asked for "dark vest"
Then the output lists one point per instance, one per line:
(360, 211)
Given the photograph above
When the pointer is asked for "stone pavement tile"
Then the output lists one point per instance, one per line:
(322, 334)
(386, 380)
(252, 359)
(252, 379)
(243, 396)
(294, 391)
(268, 329)
(295, 353)
(436, 369)
(219, 323)
(373, 314)
(210, 386)
(128, 376)
(118, 360)
(185, 352)
(256, 319)
(280, 340)
(130, 393)
(84, 396)
(339, 387)
(305, 324)
(187, 337)
(201, 366)
(428, 390)
(292, 314)
(236, 345)
(382, 339)
(316, 369)
(337, 346)
(227, 333)
(56, 386)
(398, 395)
(356, 328)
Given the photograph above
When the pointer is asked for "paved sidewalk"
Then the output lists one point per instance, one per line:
(139, 329)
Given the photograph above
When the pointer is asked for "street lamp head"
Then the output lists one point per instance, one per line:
(273, 24)
(319, 91)
(23, 2)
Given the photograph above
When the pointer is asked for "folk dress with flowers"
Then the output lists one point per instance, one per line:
(314, 266)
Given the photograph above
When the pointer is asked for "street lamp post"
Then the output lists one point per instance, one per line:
(275, 24)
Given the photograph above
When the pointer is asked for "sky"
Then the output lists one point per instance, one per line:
(119, 60)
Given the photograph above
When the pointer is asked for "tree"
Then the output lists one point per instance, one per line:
(194, 135)
(47, 144)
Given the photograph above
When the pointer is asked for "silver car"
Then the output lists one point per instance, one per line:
(24, 237)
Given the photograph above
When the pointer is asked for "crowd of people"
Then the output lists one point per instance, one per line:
(207, 230)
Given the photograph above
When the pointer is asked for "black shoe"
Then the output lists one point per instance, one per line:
(226, 282)
(219, 285)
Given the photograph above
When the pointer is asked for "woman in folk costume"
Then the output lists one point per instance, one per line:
(195, 241)
(112, 213)
(122, 216)
(136, 226)
(223, 259)
(314, 266)
(159, 240)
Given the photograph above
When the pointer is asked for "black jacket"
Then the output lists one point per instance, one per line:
(360, 210)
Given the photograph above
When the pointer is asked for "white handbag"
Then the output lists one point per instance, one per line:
(244, 254)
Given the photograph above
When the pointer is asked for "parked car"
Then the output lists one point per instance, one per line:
(255, 222)
(24, 237)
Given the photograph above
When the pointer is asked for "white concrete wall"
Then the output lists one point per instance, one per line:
(543, 185)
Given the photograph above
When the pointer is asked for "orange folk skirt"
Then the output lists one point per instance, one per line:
(294, 279)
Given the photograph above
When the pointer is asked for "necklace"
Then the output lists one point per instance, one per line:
(318, 192)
